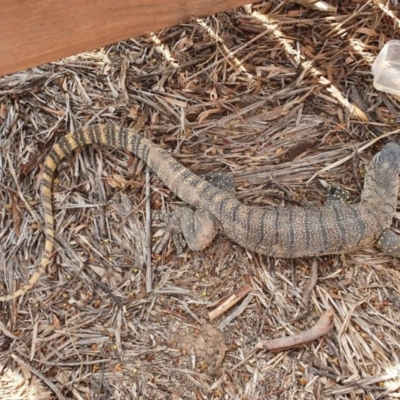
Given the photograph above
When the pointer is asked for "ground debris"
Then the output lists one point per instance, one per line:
(277, 95)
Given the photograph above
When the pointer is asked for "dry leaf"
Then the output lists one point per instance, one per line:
(205, 114)
(116, 181)
(133, 111)
(366, 31)
(3, 111)
(176, 102)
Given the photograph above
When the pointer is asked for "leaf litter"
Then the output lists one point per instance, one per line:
(276, 95)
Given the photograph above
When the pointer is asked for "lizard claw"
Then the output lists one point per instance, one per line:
(172, 230)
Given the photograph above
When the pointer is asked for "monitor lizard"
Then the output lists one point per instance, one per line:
(286, 232)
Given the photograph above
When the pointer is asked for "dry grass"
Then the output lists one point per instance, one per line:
(272, 94)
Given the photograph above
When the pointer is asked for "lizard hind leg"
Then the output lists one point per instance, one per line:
(198, 228)
(195, 229)
(389, 243)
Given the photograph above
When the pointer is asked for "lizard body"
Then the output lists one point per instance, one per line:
(287, 232)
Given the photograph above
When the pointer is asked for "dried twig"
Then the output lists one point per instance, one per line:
(308, 290)
(237, 312)
(321, 328)
(359, 151)
(228, 301)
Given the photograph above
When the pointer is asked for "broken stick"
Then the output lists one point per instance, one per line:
(229, 301)
(321, 328)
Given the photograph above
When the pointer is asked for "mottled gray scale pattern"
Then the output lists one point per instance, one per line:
(236, 217)
(276, 231)
(220, 180)
(339, 218)
(389, 242)
(254, 225)
(284, 232)
(333, 220)
(240, 227)
(299, 230)
(359, 226)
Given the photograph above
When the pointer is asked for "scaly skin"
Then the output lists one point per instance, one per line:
(287, 232)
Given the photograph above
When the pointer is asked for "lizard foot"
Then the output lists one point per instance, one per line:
(195, 229)
(389, 243)
(337, 193)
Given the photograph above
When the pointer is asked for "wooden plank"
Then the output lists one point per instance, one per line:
(34, 32)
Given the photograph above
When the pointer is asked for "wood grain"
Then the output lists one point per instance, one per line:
(34, 32)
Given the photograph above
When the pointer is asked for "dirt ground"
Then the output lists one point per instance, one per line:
(278, 96)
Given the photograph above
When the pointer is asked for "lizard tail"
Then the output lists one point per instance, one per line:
(169, 170)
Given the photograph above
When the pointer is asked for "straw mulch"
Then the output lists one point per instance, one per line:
(278, 96)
